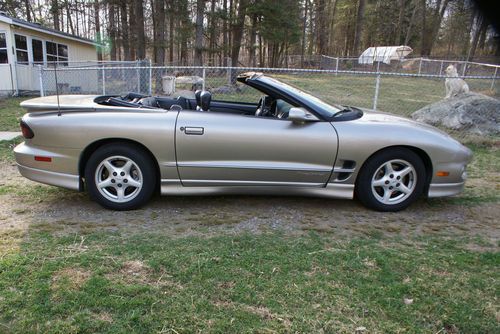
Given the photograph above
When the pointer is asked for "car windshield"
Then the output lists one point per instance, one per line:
(331, 109)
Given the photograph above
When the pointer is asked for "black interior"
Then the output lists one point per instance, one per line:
(267, 106)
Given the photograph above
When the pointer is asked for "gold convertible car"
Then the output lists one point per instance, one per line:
(123, 149)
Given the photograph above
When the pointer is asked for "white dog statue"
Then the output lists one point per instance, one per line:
(453, 84)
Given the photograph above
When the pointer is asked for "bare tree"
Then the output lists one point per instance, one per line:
(198, 43)
(359, 26)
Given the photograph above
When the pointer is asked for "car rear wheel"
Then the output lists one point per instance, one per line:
(391, 180)
(120, 177)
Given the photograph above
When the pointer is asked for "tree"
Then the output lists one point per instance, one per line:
(359, 26)
(237, 32)
(198, 43)
(139, 28)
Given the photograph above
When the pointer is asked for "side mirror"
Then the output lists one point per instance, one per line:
(205, 99)
(300, 115)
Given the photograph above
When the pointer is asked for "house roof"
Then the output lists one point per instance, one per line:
(38, 27)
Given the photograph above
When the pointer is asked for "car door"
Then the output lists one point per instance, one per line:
(222, 149)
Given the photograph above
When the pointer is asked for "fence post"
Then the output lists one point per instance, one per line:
(103, 80)
(204, 78)
(377, 87)
(494, 77)
(40, 78)
(441, 68)
(465, 68)
(420, 66)
(229, 72)
(138, 75)
(337, 66)
(150, 78)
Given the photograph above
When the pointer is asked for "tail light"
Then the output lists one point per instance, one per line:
(26, 130)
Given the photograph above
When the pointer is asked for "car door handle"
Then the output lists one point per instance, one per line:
(191, 130)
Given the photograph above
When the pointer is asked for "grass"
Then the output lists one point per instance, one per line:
(11, 113)
(110, 283)
(6, 147)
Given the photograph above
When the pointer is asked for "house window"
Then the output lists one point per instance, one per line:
(21, 49)
(57, 53)
(3, 49)
(37, 50)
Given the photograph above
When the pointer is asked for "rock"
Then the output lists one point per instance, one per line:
(471, 112)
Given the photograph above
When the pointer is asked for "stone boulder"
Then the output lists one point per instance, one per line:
(472, 113)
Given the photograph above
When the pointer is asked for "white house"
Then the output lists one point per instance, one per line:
(24, 46)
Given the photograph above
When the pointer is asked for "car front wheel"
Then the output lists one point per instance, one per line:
(391, 180)
(120, 176)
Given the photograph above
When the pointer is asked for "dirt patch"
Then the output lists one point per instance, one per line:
(261, 311)
(137, 272)
(70, 278)
(103, 316)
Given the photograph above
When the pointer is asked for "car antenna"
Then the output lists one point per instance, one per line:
(57, 90)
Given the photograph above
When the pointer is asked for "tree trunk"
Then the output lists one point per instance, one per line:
(68, 16)
(359, 26)
(28, 10)
(331, 39)
(124, 30)
(225, 38)
(439, 14)
(159, 32)
(132, 30)
(139, 28)
(97, 22)
(401, 16)
(112, 30)
(410, 24)
(54, 10)
(171, 12)
(253, 39)
(321, 34)
(423, 45)
(479, 26)
(304, 27)
(238, 33)
(185, 30)
(198, 42)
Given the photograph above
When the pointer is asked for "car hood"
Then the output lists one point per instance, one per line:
(386, 118)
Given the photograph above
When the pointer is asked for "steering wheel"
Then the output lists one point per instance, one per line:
(264, 106)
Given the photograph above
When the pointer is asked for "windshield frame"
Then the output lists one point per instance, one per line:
(296, 96)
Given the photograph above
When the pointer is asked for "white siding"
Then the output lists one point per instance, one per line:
(26, 77)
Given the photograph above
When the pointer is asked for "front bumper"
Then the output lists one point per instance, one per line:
(445, 189)
(52, 178)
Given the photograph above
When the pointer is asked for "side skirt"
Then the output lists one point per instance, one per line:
(332, 190)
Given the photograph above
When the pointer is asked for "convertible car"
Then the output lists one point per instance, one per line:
(123, 149)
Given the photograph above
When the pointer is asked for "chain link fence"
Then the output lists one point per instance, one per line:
(397, 93)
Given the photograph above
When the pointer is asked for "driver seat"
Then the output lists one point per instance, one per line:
(264, 106)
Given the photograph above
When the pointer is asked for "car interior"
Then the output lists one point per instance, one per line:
(267, 106)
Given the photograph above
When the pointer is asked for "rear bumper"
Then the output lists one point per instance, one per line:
(52, 178)
(445, 189)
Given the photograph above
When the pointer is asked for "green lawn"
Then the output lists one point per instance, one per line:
(11, 113)
(114, 283)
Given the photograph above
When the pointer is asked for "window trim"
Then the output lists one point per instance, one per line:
(44, 55)
(28, 39)
(60, 60)
(6, 48)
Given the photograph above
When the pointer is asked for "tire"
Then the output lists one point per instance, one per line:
(391, 180)
(120, 176)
